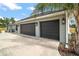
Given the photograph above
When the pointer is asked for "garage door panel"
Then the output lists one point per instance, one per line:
(50, 36)
(50, 29)
(28, 29)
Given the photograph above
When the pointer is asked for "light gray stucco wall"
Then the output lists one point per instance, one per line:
(37, 29)
(11, 28)
(18, 29)
(62, 31)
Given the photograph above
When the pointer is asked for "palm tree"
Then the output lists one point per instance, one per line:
(48, 6)
(69, 8)
(7, 21)
(54, 6)
(2, 22)
(12, 20)
(41, 7)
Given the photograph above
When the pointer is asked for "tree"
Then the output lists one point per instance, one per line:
(6, 21)
(41, 6)
(69, 8)
(55, 6)
(2, 23)
(12, 20)
(49, 6)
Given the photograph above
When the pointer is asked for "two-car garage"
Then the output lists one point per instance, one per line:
(48, 29)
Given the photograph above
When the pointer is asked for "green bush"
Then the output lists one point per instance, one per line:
(2, 29)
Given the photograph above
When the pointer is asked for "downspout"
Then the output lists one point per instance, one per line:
(67, 23)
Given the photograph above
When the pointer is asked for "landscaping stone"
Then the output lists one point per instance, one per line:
(65, 51)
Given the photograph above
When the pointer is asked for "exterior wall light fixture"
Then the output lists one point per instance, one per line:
(63, 21)
(36, 23)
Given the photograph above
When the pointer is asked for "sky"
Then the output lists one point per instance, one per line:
(20, 9)
(16, 10)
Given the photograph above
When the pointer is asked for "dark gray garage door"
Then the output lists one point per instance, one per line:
(28, 29)
(50, 29)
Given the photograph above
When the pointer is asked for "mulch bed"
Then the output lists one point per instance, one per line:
(65, 51)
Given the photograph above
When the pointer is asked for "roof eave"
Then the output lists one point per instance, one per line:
(41, 17)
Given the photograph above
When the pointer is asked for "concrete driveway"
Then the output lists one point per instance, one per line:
(23, 45)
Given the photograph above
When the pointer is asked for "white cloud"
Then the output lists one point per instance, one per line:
(3, 8)
(34, 1)
(17, 19)
(1, 17)
(11, 6)
(24, 15)
(31, 8)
